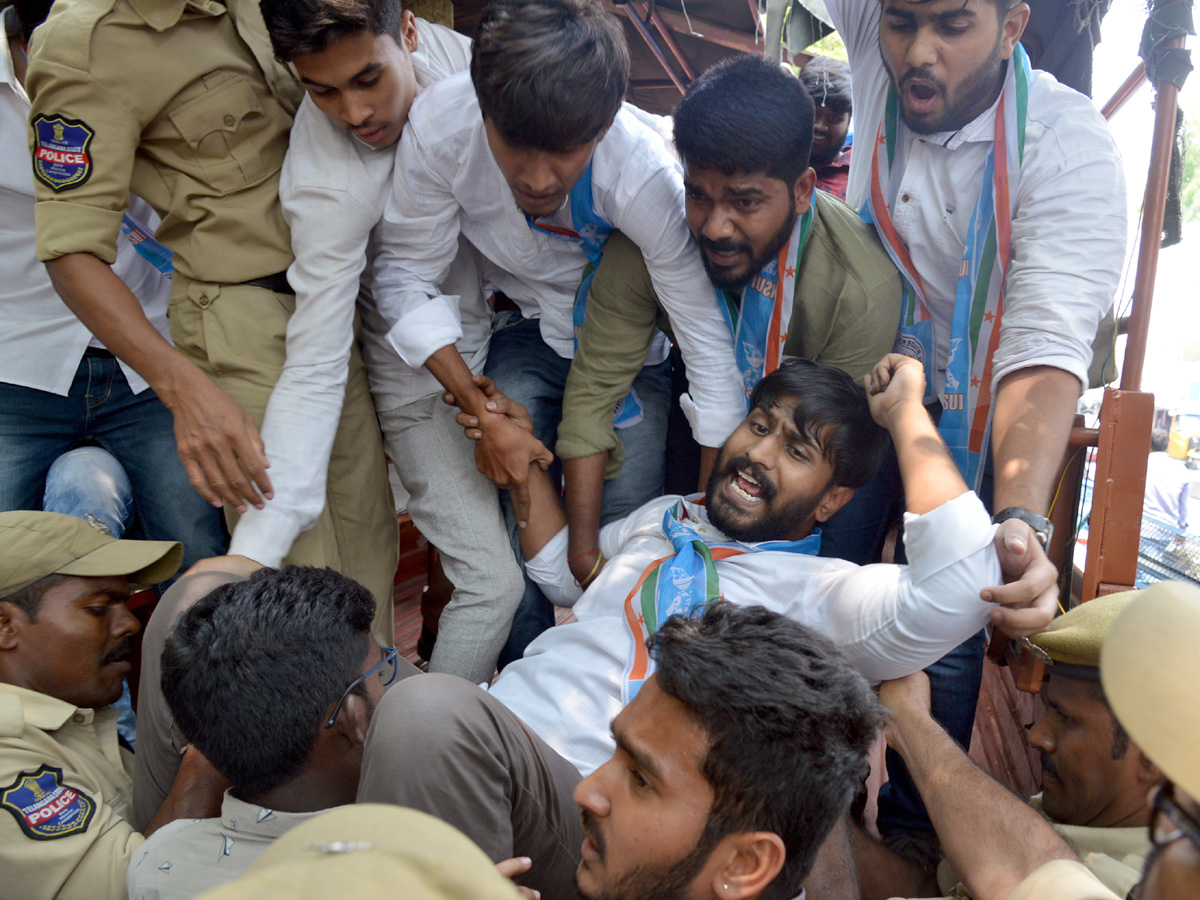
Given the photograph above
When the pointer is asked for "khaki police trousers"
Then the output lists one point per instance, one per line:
(236, 333)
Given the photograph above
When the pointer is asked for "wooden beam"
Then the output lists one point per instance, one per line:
(722, 35)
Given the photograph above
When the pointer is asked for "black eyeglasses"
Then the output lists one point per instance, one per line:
(1170, 821)
(386, 668)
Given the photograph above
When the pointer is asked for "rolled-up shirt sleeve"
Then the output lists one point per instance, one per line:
(1069, 238)
(418, 242)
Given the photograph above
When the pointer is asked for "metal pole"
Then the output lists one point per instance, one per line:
(1154, 210)
(1125, 91)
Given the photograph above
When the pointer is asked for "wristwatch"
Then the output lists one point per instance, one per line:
(1042, 529)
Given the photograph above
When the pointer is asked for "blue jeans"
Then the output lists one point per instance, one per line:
(89, 483)
(528, 371)
(37, 427)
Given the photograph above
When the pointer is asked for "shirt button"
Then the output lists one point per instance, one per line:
(904, 198)
(78, 718)
(229, 121)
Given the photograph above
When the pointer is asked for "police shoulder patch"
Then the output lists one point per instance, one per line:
(44, 807)
(61, 156)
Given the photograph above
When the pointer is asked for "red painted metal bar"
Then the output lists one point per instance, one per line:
(1154, 209)
(1125, 91)
(631, 14)
(668, 37)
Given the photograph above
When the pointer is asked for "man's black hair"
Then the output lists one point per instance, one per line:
(789, 724)
(299, 27)
(251, 670)
(1160, 439)
(30, 14)
(828, 83)
(831, 413)
(746, 115)
(29, 598)
(549, 74)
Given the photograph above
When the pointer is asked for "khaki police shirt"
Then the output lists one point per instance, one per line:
(65, 789)
(1115, 856)
(846, 313)
(178, 101)
(1062, 880)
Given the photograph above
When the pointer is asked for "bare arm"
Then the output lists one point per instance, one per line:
(196, 793)
(1031, 422)
(896, 388)
(218, 442)
(504, 452)
(584, 483)
(545, 516)
(991, 837)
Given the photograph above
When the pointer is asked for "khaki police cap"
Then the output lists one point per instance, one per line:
(1071, 644)
(1150, 669)
(370, 850)
(36, 544)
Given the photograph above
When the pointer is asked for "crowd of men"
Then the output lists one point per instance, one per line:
(255, 250)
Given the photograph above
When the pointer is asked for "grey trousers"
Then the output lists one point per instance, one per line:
(446, 747)
(458, 510)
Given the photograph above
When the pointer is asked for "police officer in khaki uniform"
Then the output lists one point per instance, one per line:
(65, 639)
(368, 850)
(182, 103)
(1095, 779)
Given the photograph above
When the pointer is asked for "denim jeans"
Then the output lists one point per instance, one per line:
(89, 483)
(37, 427)
(528, 371)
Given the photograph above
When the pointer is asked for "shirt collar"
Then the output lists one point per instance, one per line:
(163, 14)
(250, 818)
(20, 706)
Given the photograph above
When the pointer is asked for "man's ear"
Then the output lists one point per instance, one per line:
(1148, 773)
(354, 718)
(746, 863)
(11, 620)
(1012, 28)
(408, 31)
(802, 190)
(835, 498)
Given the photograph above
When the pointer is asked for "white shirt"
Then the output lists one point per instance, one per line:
(1069, 230)
(41, 340)
(332, 189)
(1168, 486)
(447, 183)
(888, 620)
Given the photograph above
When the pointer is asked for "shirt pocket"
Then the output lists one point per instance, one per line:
(234, 140)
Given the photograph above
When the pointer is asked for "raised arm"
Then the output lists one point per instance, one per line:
(992, 838)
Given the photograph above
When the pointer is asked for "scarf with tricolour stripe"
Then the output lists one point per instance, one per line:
(685, 582)
(590, 232)
(979, 301)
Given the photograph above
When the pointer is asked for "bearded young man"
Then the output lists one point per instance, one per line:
(807, 442)
(1000, 196)
(798, 275)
